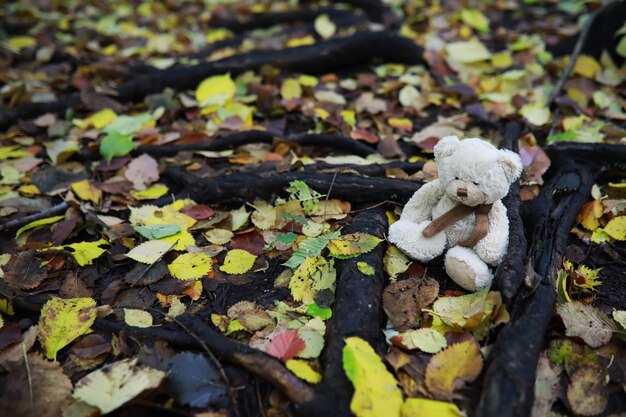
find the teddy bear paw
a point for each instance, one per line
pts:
(408, 237)
(466, 269)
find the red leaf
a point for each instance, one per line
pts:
(286, 345)
(252, 242)
(364, 135)
(199, 211)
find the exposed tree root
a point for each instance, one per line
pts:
(328, 55)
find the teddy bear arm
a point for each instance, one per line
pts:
(419, 208)
(492, 247)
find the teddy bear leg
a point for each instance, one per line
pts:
(408, 237)
(466, 269)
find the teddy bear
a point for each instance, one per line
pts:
(461, 210)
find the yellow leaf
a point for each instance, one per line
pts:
(86, 252)
(303, 370)
(238, 261)
(218, 34)
(290, 89)
(376, 392)
(216, 90)
(62, 321)
(137, 318)
(349, 117)
(325, 27)
(37, 223)
(86, 191)
(423, 407)
(113, 385)
(149, 252)
(218, 236)
(467, 52)
(466, 312)
(312, 275)
(395, 261)
(451, 368)
(536, 113)
(18, 43)
(616, 228)
(586, 66)
(400, 123)
(308, 80)
(102, 118)
(502, 60)
(476, 19)
(191, 266)
(264, 216)
(351, 245)
(29, 190)
(426, 340)
(155, 191)
(302, 41)
(590, 214)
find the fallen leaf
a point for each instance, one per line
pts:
(238, 261)
(616, 228)
(376, 392)
(467, 52)
(302, 369)
(452, 368)
(149, 252)
(587, 394)
(587, 322)
(351, 245)
(426, 340)
(193, 380)
(86, 252)
(115, 384)
(37, 223)
(312, 276)
(191, 266)
(116, 144)
(37, 388)
(536, 113)
(216, 90)
(620, 317)
(137, 318)
(404, 300)
(24, 271)
(286, 345)
(87, 191)
(476, 19)
(325, 27)
(547, 386)
(157, 231)
(142, 171)
(290, 89)
(423, 407)
(395, 261)
(62, 321)
(365, 268)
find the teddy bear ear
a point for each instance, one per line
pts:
(445, 147)
(511, 164)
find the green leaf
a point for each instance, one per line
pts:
(115, 144)
(310, 247)
(286, 239)
(376, 392)
(323, 313)
(365, 268)
(476, 19)
(157, 231)
(299, 190)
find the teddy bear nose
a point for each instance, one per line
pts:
(461, 192)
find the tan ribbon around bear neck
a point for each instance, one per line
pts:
(450, 217)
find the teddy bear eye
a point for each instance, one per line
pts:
(456, 178)
(475, 182)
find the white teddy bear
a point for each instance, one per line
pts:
(461, 210)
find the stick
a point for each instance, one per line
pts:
(21, 221)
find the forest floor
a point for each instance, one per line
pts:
(195, 197)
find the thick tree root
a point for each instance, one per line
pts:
(510, 375)
(328, 55)
(250, 186)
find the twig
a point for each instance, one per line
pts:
(582, 38)
(21, 221)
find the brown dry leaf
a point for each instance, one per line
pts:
(587, 322)
(587, 394)
(50, 388)
(24, 271)
(547, 386)
(142, 171)
(404, 300)
(16, 351)
(451, 368)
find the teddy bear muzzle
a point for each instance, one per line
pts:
(461, 192)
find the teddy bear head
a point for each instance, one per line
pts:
(475, 172)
